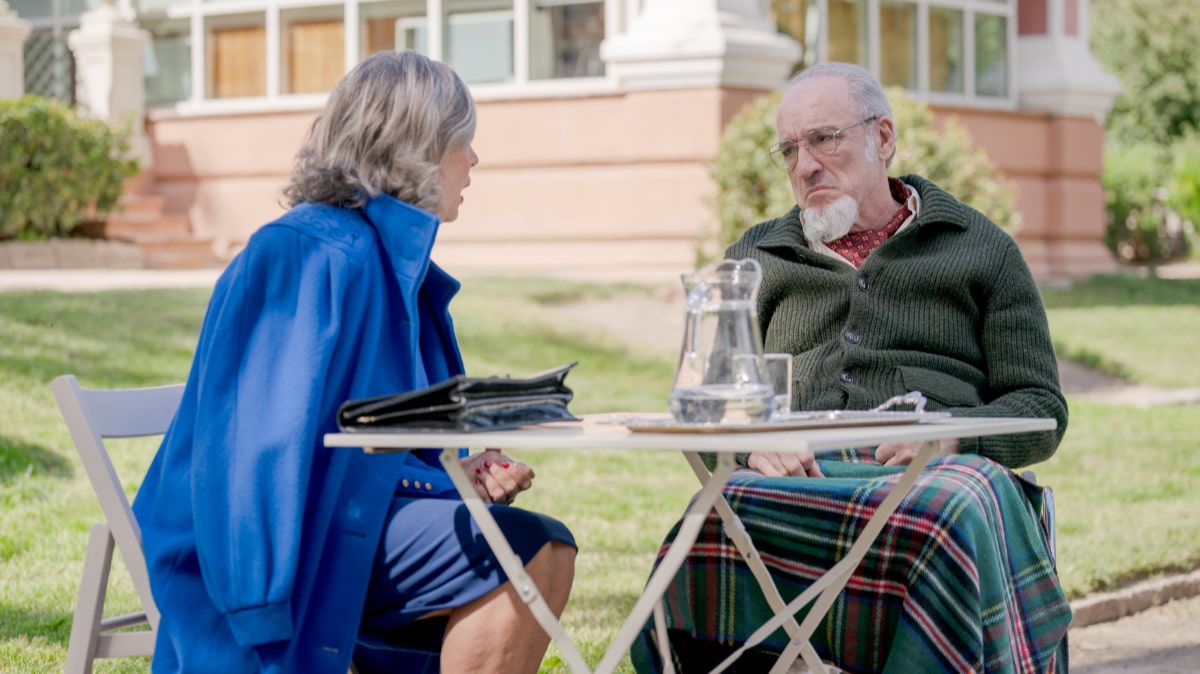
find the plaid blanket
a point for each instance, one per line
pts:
(961, 579)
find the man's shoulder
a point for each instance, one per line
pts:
(785, 226)
(938, 205)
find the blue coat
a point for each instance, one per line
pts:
(259, 539)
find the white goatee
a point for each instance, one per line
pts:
(831, 222)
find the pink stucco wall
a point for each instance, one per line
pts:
(610, 185)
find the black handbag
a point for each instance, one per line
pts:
(465, 404)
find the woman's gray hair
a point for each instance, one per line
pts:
(385, 129)
(864, 88)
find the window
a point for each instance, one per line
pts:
(237, 51)
(168, 62)
(847, 31)
(991, 55)
(945, 50)
(564, 39)
(313, 50)
(205, 50)
(954, 50)
(393, 25)
(479, 44)
(899, 62)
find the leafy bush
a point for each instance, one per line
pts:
(1150, 45)
(1142, 226)
(1184, 187)
(57, 169)
(751, 189)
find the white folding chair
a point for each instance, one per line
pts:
(91, 416)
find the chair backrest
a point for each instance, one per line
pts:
(91, 416)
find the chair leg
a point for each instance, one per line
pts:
(89, 608)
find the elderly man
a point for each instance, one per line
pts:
(879, 286)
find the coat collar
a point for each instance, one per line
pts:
(406, 233)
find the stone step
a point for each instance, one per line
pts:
(169, 251)
(131, 204)
(127, 226)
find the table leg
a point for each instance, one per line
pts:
(826, 588)
(689, 529)
(745, 547)
(524, 585)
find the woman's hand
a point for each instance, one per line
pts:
(497, 478)
(902, 453)
(784, 464)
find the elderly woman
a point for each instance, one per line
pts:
(268, 551)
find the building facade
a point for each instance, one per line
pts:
(598, 119)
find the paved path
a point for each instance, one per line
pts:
(1161, 640)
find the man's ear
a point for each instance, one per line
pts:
(886, 138)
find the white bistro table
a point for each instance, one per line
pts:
(600, 432)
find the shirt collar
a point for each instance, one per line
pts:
(914, 207)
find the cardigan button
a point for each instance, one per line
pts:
(862, 284)
(852, 337)
(846, 377)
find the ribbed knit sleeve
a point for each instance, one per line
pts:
(946, 307)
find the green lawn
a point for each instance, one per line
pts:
(1127, 480)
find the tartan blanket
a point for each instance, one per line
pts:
(961, 578)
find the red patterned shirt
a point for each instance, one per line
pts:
(856, 246)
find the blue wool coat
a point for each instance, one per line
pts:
(260, 540)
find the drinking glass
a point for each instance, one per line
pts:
(779, 369)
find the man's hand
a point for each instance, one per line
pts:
(497, 478)
(902, 453)
(783, 464)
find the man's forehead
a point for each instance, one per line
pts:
(819, 103)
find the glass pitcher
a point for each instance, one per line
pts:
(721, 376)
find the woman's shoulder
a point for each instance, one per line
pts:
(342, 227)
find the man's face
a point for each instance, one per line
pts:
(857, 168)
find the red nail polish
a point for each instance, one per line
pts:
(478, 471)
(505, 464)
(487, 464)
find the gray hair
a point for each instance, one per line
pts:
(864, 88)
(385, 129)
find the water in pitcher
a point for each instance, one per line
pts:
(721, 377)
(722, 404)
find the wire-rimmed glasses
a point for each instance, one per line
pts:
(818, 142)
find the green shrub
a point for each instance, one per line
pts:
(750, 189)
(1184, 188)
(57, 169)
(1142, 224)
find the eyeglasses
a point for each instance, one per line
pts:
(818, 142)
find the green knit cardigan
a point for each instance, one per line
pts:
(946, 307)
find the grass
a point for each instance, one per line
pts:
(1127, 480)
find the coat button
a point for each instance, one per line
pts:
(852, 337)
(404, 483)
(862, 284)
(846, 377)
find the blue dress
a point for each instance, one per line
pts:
(261, 543)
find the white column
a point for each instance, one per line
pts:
(109, 80)
(674, 44)
(13, 31)
(1057, 73)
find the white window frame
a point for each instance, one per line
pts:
(969, 8)
(198, 12)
